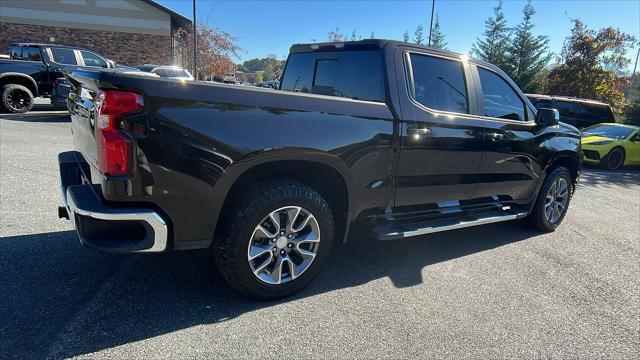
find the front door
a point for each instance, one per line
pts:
(509, 169)
(440, 143)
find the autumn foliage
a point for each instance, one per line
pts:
(215, 50)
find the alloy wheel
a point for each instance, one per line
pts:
(283, 245)
(18, 99)
(614, 160)
(556, 200)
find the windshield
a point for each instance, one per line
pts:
(609, 131)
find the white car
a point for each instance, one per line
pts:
(168, 72)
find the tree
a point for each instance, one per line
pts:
(632, 111)
(259, 78)
(418, 35)
(213, 52)
(588, 65)
(354, 36)
(493, 46)
(437, 37)
(405, 36)
(527, 54)
(335, 35)
(372, 36)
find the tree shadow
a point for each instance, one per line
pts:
(626, 177)
(61, 300)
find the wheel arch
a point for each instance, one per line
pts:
(324, 173)
(568, 160)
(20, 79)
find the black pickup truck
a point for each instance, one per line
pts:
(32, 69)
(402, 139)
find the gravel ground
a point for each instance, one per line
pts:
(495, 291)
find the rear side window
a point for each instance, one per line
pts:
(566, 108)
(500, 100)
(350, 74)
(64, 56)
(439, 83)
(597, 112)
(540, 104)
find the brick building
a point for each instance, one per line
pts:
(129, 32)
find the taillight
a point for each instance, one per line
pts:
(115, 152)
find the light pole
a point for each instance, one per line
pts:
(636, 65)
(195, 39)
(433, 6)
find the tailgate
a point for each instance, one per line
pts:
(83, 120)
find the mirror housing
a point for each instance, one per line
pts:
(547, 117)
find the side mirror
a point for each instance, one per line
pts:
(547, 117)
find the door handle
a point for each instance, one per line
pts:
(495, 137)
(418, 132)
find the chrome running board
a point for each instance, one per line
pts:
(395, 232)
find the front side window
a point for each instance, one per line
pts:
(64, 56)
(439, 83)
(91, 59)
(500, 100)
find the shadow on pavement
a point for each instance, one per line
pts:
(39, 113)
(60, 299)
(595, 176)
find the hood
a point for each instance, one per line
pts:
(569, 128)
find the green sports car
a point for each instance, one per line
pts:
(611, 145)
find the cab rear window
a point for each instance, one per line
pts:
(350, 74)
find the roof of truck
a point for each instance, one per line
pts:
(378, 44)
(566, 98)
(47, 45)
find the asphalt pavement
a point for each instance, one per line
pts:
(496, 291)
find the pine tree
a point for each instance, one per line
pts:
(528, 54)
(493, 47)
(419, 38)
(437, 37)
(354, 36)
(405, 36)
(372, 36)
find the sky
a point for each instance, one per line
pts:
(270, 27)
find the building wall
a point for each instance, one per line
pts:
(131, 16)
(123, 48)
(129, 32)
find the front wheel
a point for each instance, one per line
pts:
(16, 98)
(552, 201)
(276, 241)
(614, 159)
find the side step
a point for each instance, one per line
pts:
(405, 230)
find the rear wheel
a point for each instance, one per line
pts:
(553, 200)
(614, 159)
(16, 98)
(276, 241)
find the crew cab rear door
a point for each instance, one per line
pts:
(509, 169)
(440, 141)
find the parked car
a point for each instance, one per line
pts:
(269, 84)
(611, 145)
(32, 69)
(580, 113)
(169, 72)
(230, 79)
(60, 93)
(383, 133)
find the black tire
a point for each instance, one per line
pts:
(230, 250)
(537, 218)
(614, 159)
(16, 98)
